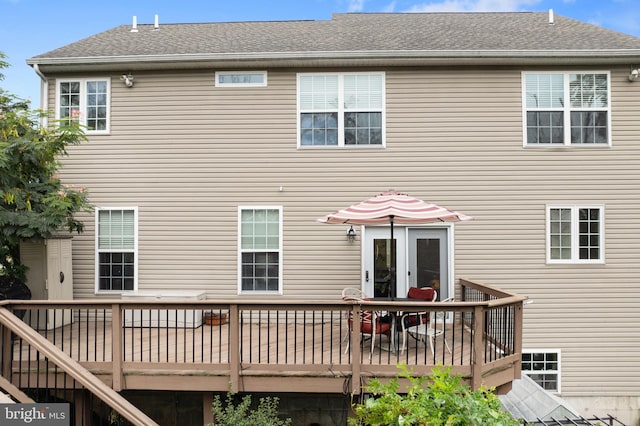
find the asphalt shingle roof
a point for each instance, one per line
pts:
(393, 32)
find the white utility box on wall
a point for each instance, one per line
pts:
(164, 317)
(49, 277)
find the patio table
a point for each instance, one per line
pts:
(395, 316)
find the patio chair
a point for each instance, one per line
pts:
(371, 322)
(430, 330)
(352, 293)
(371, 325)
(412, 319)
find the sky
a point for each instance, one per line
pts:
(32, 27)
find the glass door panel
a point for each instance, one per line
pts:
(383, 268)
(429, 260)
(377, 262)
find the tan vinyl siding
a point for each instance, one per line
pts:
(187, 154)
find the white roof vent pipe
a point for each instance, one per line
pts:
(134, 25)
(156, 23)
(551, 17)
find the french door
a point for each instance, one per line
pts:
(422, 259)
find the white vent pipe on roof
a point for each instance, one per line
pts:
(156, 23)
(551, 18)
(134, 26)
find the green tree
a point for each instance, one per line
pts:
(243, 414)
(34, 204)
(445, 401)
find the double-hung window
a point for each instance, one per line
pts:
(260, 243)
(575, 234)
(117, 249)
(85, 101)
(341, 109)
(570, 109)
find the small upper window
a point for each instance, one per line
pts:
(85, 101)
(575, 234)
(571, 109)
(241, 78)
(341, 109)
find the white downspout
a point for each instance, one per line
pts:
(44, 94)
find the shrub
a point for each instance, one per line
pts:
(445, 401)
(243, 414)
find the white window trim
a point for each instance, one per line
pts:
(341, 111)
(97, 289)
(558, 371)
(575, 234)
(240, 251)
(220, 84)
(83, 102)
(567, 110)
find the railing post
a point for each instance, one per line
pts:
(116, 347)
(517, 344)
(234, 348)
(7, 352)
(354, 346)
(478, 348)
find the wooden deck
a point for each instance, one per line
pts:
(279, 346)
(288, 344)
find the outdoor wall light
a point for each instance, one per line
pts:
(351, 234)
(633, 75)
(127, 79)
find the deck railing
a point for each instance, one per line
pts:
(275, 345)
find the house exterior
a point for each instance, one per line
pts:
(214, 148)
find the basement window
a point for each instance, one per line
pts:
(543, 367)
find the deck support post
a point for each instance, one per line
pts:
(82, 404)
(116, 348)
(478, 347)
(355, 349)
(517, 336)
(207, 408)
(234, 348)
(7, 352)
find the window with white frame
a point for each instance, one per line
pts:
(260, 234)
(543, 366)
(240, 78)
(85, 101)
(575, 234)
(117, 243)
(566, 109)
(341, 109)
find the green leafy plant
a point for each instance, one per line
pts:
(34, 203)
(445, 400)
(244, 414)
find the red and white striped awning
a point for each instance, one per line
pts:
(393, 207)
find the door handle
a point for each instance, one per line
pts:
(61, 277)
(366, 276)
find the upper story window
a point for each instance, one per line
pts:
(241, 78)
(260, 234)
(575, 234)
(571, 109)
(117, 249)
(85, 100)
(344, 109)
